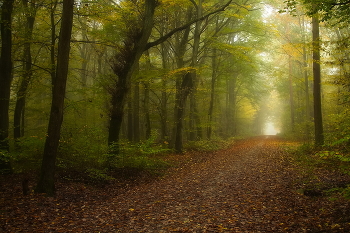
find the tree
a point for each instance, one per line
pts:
(319, 138)
(46, 182)
(18, 121)
(327, 9)
(127, 57)
(5, 70)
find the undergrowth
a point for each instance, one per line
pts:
(208, 145)
(333, 158)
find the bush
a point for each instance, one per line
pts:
(98, 176)
(28, 154)
(208, 145)
(5, 165)
(135, 159)
(83, 150)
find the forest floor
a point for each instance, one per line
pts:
(254, 186)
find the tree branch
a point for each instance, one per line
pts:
(340, 3)
(165, 37)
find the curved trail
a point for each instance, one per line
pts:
(246, 188)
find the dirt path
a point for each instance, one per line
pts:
(247, 188)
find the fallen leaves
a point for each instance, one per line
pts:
(247, 188)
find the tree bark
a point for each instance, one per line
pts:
(212, 93)
(129, 55)
(130, 131)
(183, 86)
(291, 94)
(136, 112)
(164, 97)
(195, 122)
(126, 60)
(146, 100)
(146, 110)
(5, 71)
(46, 182)
(319, 138)
(18, 117)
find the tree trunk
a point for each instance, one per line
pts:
(5, 71)
(212, 93)
(136, 112)
(291, 94)
(146, 110)
(164, 97)
(231, 120)
(195, 124)
(319, 138)
(18, 118)
(146, 100)
(134, 45)
(130, 131)
(185, 90)
(181, 92)
(46, 182)
(125, 62)
(53, 40)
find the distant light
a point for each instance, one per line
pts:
(270, 129)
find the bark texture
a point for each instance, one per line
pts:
(46, 182)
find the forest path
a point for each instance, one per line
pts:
(246, 188)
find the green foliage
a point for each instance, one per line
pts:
(338, 128)
(344, 192)
(328, 10)
(98, 175)
(135, 165)
(28, 153)
(5, 159)
(330, 158)
(208, 145)
(83, 150)
(135, 159)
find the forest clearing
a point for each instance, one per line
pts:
(252, 186)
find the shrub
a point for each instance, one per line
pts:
(28, 153)
(208, 145)
(135, 159)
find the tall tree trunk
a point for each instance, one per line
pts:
(183, 85)
(308, 113)
(130, 131)
(18, 118)
(135, 45)
(146, 110)
(146, 100)
(306, 77)
(136, 112)
(53, 40)
(291, 94)
(212, 93)
(231, 120)
(319, 138)
(195, 124)
(164, 96)
(46, 182)
(185, 90)
(129, 55)
(5, 71)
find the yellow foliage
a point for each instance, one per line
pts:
(180, 71)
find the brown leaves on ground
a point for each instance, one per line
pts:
(250, 187)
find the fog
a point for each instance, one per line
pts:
(270, 129)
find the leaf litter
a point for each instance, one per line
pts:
(249, 187)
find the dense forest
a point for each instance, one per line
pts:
(96, 86)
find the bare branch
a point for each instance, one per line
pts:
(183, 27)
